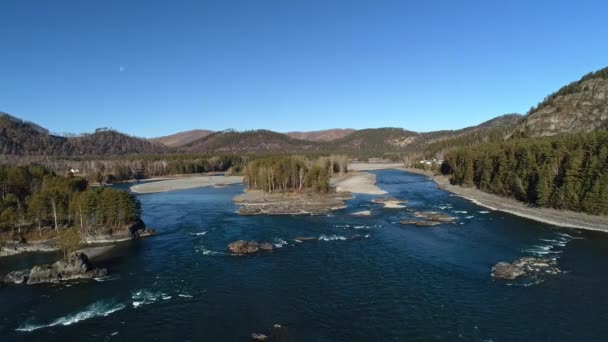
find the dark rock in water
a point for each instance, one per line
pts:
(505, 270)
(16, 277)
(77, 266)
(143, 232)
(434, 216)
(249, 247)
(525, 267)
(419, 223)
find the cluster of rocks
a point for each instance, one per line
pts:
(242, 247)
(525, 267)
(278, 333)
(255, 202)
(134, 230)
(428, 219)
(390, 202)
(77, 266)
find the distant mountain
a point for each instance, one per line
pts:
(581, 106)
(18, 137)
(323, 135)
(258, 141)
(182, 138)
(388, 139)
(106, 142)
(21, 138)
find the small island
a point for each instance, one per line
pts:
(292, 185)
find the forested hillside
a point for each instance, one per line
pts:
(564, 172)
(21, 138)
(258, 141)
(182, 138)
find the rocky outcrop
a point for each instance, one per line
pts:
(16, 277)
(242, 247)
(579, 107)
(127, 232)
(434, 216)
(428, 219)
(255, 202)
(77, 266)
(420, 223)
(525, 267)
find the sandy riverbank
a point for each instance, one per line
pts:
(560, 218)
(185, 183)
(357, 183)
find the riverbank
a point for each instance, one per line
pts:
(560, 218)
(185, 183)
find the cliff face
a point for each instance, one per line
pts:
(579, 107)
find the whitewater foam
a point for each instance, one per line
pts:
(278, 243)
(144, 297)
(97, 309)
(332, 237)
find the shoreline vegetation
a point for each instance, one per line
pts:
(560, 218)
(43, 211)
(556, 217)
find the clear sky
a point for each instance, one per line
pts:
(153, 68)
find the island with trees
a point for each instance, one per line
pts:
(40, 210)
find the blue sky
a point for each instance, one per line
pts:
(152, 68)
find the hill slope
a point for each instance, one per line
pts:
(18, 137)
(323, 135)
(182, 138)
(579, 107)
(248, 142)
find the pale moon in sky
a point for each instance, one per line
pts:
(121, 68)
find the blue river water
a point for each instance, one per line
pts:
(397, 283)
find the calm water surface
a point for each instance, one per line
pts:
(397, 283)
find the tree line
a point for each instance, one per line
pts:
(563, 172)
(32, 197)
(293, 173)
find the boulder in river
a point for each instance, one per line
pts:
(419, 223)
(77, 266)
(434, 216)
(241, 247)
(525, 267)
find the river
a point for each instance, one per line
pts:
(396, 283)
